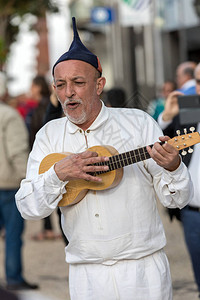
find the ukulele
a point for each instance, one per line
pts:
(77, 189)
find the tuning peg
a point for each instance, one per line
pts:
(192, 129)
(190, 150)
(185, 130)
(184, 152)
(178, 132)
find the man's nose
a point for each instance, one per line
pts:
(69, 90)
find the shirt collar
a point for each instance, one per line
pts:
(188, 84)
(101, 118)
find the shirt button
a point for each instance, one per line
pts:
(80, 130)
(96, 215)
(88, 131)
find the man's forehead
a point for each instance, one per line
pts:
(74, 68)
(73, 64)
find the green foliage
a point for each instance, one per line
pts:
(21, 7)
(3, 51)
(13, 8)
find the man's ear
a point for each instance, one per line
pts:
(100, 85)
(53, 87)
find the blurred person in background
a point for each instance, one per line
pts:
(190, 215)
(184, 82)
(157, 106)
(13, 159)
(169, 118)
(54, 111)
(23, 104)
(40, 93)
(185, 77)
(115, 97)
(35, 119)
(116, 237)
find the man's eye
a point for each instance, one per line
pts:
(79, 82)
(60, 85)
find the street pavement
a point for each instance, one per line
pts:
(44, 263)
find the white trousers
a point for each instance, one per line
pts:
(147, 278)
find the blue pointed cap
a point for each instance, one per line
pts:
(78, 51)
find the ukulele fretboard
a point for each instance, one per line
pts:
(124, 159)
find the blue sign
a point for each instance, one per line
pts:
(102, 15)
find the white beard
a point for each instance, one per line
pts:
(76, 120)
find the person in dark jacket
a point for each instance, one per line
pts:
(40, 92)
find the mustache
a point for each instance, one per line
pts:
(70, 101)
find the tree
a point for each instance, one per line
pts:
(12, 9)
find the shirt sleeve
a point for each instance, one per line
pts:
(173, 189)
(163, 124)
(39, 194)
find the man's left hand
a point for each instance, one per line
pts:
(165, 155)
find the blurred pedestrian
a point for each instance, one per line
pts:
(13, 160)
(156, 106)
(185, 77)
(24, 104)
(40, 92)
(184, 82)
(190, 215)
(115, 97)
(54, 111)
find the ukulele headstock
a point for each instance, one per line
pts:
(185, 140)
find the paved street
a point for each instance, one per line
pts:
(44, 263)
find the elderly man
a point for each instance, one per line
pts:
(115, 234)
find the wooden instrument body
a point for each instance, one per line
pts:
(77, 189)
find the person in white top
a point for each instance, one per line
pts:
(190, 215)
(115, 235)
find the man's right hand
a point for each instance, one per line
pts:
(80, 166)
(171, 106)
